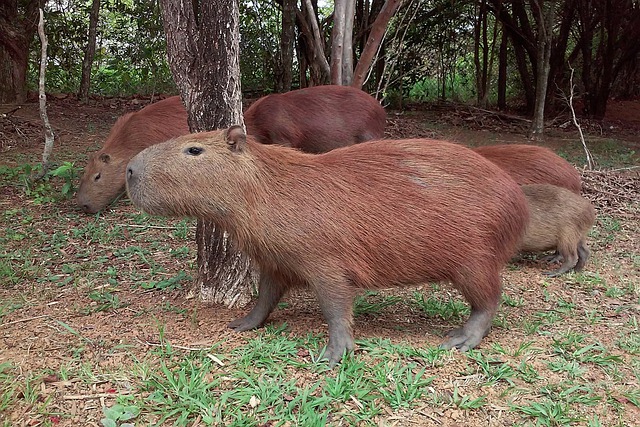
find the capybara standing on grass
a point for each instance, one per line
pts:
(372, 215)
(531, 164)
(103, 178)
(559, 220)
(315, 120)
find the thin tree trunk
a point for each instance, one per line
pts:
(89, 53)
(347, 50)
(544, 12)
(203, 44)
(286, 42)
(319, 57)
(337, 41)
(373, 41)
(48, 132)
(502, 71)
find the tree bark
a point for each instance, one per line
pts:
(203, 44)
(502, 71)
(319, 60)
(544, 12)
(18, 23)
(347, 49)
(373, 42)
(48, 131)
(337, 41)
(90, 51)
(286, 42)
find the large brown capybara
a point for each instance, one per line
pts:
(103, 179)
(371, 215)
(315, 120)
(559, 220)
(531, 164)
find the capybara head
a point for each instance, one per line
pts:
(559, 220)
(371, 215)
(316, 119)
(189, 159)
(103, 178)
(531, 164)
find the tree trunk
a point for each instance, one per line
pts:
(18, 23)
(502, 71)
(286, 42)
(544, 13)
(203, 44)
(373, 42)
(337, 41)
(89, 52)
(347, 49)
(317, 60)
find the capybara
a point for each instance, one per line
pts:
(371, 215)
(103, 178)
(315, 120)
(559, 220)
(531, 164)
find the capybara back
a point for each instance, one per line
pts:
(559, 220)
(531, 164)
(372, 215)
(316, 119)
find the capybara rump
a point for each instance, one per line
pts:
(372, 215)
(531, 164)
(559, 220)
(316, 119)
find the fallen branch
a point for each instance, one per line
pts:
(48, 132)
(93, 396)
(28, 319)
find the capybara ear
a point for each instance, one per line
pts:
(236, 138)
(105, 158)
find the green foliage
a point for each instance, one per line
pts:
(43, 189)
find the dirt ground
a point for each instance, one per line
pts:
(43, 321)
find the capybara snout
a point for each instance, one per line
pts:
(371, 215)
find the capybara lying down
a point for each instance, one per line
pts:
(103, 179)
(531, 164)
(372, 215)
(558, 220)
(315, 119)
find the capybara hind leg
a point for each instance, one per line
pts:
(553, 258)
(569, 253)
(470, 335)
(337, 309)
(583, 255)
(269, 294)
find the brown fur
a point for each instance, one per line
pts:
(559, 220)
(315, 120)
(371, 215)
(531, 164)
(103, 178)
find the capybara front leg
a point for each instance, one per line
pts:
(470, 335)
(269, 294)
(583, 255)
(337, 309)
(553, 258)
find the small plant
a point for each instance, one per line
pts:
(117, 413)
(466, 402)
(452, 309)
(169, 284)
(371, 305)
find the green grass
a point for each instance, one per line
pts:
(562, 351)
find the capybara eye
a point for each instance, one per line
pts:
(195, 151)
(97, 177)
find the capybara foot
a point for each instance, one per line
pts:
(337, 348)
(462, 340)
(245, 323)
(553, 258)
(470, 335)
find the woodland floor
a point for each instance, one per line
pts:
(87, 303)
